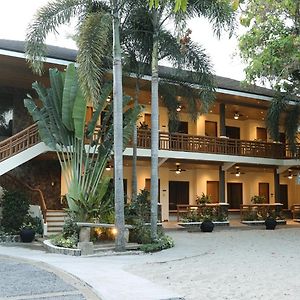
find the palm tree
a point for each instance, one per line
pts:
(92, 32)
(145, 33)
(221, 15)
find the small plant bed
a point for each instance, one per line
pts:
(195, 215)
(194, 225)
(262, 222)
(256, 214)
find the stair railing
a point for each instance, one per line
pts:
(19, 142)
(42, 201)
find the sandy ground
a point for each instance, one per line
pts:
(228, 264)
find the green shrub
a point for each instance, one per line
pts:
(140, 234)
(15, 206)
(163, 242)
(139, 210)
(70, 228)
(66, 242)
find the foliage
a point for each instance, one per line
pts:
(61, 122)
(257, 199)
(203, 199)
(206, 213)
(163, 242)
(70, 228)
(261, 214)
(270, 49)
(92, 33)
(66, 242)
(15, 207)
(139, 210)
(69, 236)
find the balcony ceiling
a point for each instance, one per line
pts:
(15, 73)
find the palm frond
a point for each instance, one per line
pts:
(220, 13)
(93, 47)
(277, 106)
(47, 20)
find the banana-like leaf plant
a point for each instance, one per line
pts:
(82, 149)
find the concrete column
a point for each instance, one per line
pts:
(276, 186)
(222, 120)
(221, 185)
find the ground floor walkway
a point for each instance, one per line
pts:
(230, 263)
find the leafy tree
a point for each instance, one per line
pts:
(94, 18)
(270, 48)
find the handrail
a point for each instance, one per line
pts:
(19, 142)
(217, 145)
(41, 195)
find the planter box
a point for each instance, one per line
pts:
(262, 222)
(195, 226)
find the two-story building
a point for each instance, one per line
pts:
(226, 153)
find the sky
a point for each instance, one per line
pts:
(15, 15)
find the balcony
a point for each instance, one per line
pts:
(215, 145)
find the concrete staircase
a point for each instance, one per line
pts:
(20, 148)
(55, 221)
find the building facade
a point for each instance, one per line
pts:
(226, 153)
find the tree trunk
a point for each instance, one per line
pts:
(118, 131)
(154, 129)
(134, 145)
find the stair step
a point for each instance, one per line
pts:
(55, 222)
(56, 214)
(53, 219)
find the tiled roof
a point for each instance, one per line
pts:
(70, 55)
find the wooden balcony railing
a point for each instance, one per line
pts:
(215, 145)
(168, 141)
(19, 142)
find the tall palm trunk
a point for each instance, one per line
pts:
(118, 131)
(134, 144)
(154, 128)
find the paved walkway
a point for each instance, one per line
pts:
(104, 274)
(163, 275)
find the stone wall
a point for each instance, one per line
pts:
(21, 117)
(42, 174)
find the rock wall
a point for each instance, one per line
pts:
(42, 174)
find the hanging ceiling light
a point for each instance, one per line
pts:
(290, 176)
(237, 173)
(178, 170)
(179, 107)
(236, 116)
(108, 167)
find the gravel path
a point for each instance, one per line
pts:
(29, 280)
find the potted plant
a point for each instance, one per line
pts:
(207, 225)
(270, 223)
(27, 232)
(257, 199)
(203, 199)
(29, 228)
